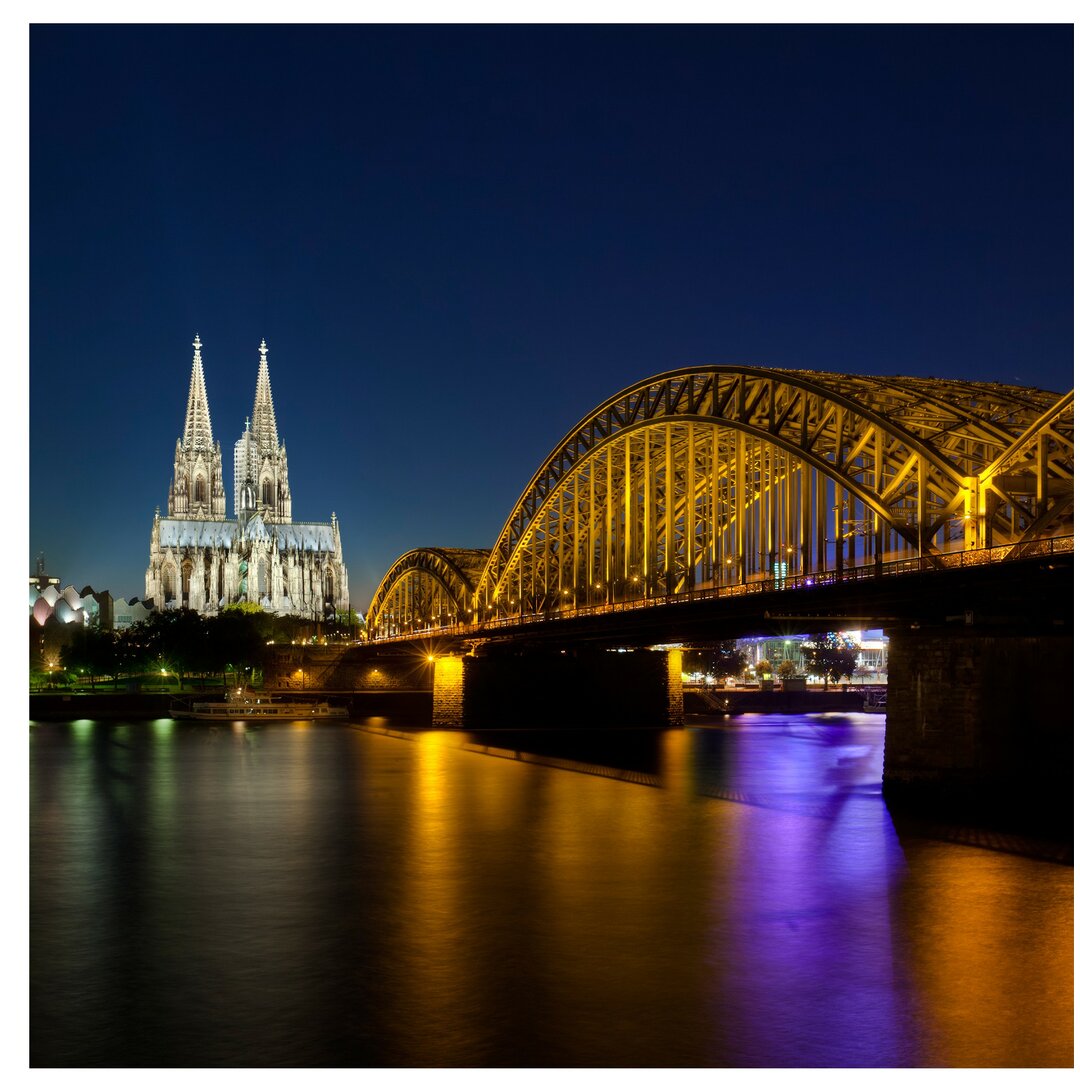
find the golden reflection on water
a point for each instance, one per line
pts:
(579, 923)
(620, 955)
(309, 894)
(991, 943)
(432, 920)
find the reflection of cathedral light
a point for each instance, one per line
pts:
(201, 560)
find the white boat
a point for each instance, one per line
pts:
(255, 705)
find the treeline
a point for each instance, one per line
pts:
(182, 644)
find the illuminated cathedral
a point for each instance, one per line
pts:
(202, 560)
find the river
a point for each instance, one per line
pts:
(336, 895)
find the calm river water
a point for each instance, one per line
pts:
(327, 895)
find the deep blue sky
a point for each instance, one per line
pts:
(458, 240)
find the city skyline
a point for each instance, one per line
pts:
(457, 241)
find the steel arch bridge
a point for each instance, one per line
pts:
(714, 477)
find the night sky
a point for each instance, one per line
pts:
(457, 241)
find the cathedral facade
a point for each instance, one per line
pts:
(202, 560)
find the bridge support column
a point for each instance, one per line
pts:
(572, 688)
(980, 721)
(674, 687)
(447, 705)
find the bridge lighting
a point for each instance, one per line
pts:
(912, 481)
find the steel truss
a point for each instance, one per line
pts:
(715, 476)
(425, 588)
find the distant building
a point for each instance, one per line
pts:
(39, 580)
(51, 605)
(872, 659)
(202, 560)
(124, 614)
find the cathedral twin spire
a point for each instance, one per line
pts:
(264, 424)
(198, 435)
(197, 490)
(259, 460)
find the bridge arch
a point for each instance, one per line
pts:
(426, 587)
(712, 476)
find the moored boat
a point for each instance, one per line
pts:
(255, 705)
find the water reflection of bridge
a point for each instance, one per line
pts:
(722, 482)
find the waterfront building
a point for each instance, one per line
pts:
(872, 659)
(202, 560)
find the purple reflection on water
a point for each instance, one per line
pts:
(802, 947)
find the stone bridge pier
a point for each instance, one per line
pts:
(980, 718)
(559, 688)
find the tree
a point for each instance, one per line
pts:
(832, 656)
(248, 607)
(720, 659)
(92, 651)
(762, 668)
(236, 639)
(787, 669)
(345, 624)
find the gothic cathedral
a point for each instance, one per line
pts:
(202, 560)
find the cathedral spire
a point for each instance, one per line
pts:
(264, 423)
(197, 490)
(260, 457)
(198, 435)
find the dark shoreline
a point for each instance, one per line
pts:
(409, 705)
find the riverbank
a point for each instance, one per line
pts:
(408, 705)
(787, 702)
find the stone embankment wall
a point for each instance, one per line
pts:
(336, 667)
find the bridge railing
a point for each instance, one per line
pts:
(954, 560)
